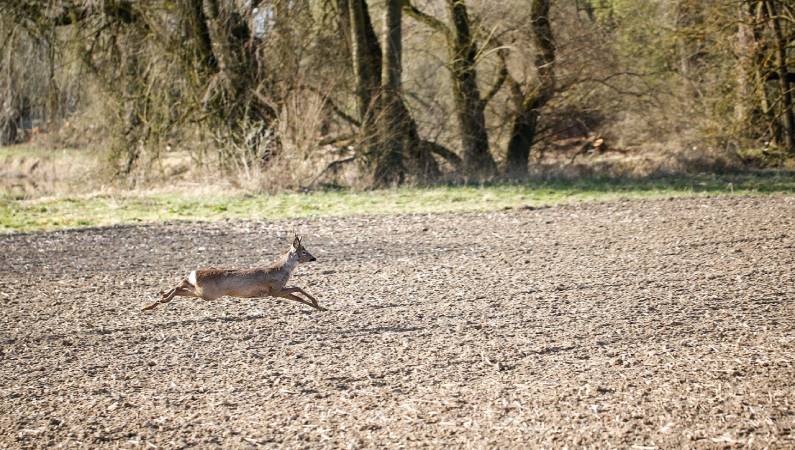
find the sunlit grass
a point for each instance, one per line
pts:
(33, 151)
(187, 204)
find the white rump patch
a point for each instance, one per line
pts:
(192, 278)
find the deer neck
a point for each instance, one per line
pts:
(289, 261)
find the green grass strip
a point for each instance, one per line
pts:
(131, 207)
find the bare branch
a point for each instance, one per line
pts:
(336, 139)
(445, 153)
(427, 19)
(502, 76)
(333, 166)
(328, 102)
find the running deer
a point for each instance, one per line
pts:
(270, 281)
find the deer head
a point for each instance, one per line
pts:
(303, 255)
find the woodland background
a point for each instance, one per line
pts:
(304, 94)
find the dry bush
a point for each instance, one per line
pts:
(45, 173)
(299, 160)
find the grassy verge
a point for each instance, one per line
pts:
(132, 207)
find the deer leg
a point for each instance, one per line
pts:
(184, 289)
(298, 289)
(289, 296)
(170, 294)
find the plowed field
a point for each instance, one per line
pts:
(665, 323)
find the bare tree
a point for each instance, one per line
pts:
(9, 105)
(389, 134)
(530, 98)
(394, 115)
(462, 50)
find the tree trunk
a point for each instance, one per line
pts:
(389, 168)
(745, 67)
(9, 118)
(197, 25)
(532, 98)
(689, 16)
(344, 23)
(788, 118)
(391, 144)
(53, 111)
(9, 100)
(469, 105)
(216, 31)
(523, 132)
(756, 9)
(366, 58)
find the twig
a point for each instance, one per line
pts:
(333, 106)
(335, 139)
(332, 166)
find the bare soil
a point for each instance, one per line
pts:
(667, 323)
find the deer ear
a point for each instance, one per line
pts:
(296, 241)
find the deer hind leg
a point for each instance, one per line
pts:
(289, 296)
(185, 289)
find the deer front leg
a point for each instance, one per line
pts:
(286, 294)
(298, 289)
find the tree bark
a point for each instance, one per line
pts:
(469, 105)
(366, 58)
(388, 164)
(530, 99)
(788, 118)
(344, 23)
(756, 10)
(745, 66)
(9, 98)
(197, 24)
(9, 114)
(523, 131)
(219, 39)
